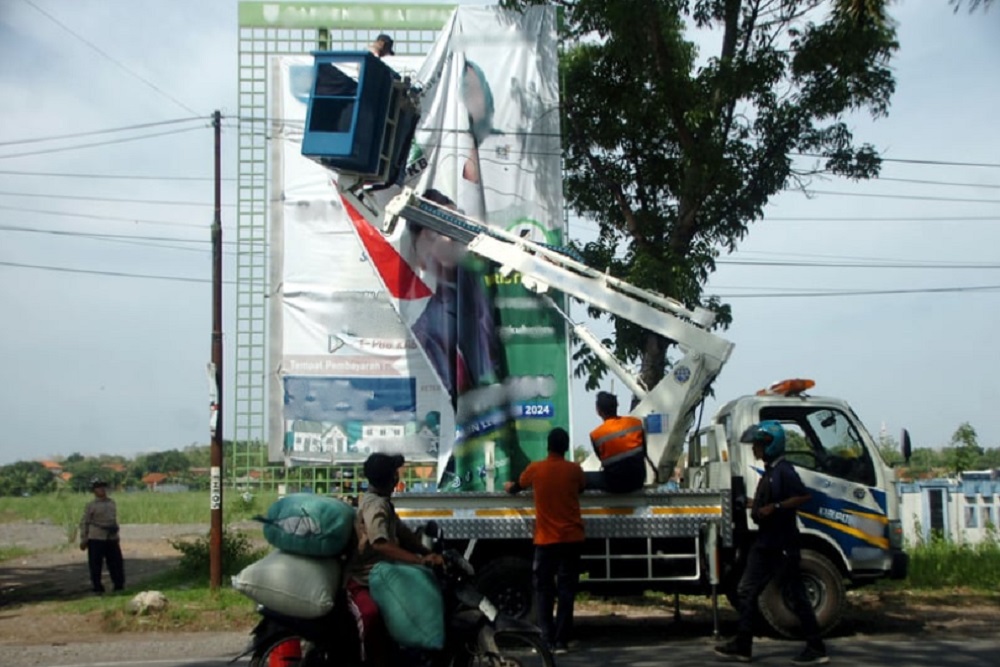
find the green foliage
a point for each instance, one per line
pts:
(940, 563)
(965, 451)
(972, 4)
(675, 152)
(238, 551)
(64, 508)
(25, 478)
(888, 448)
(8, 553)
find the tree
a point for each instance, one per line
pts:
(674, 155)
(888, 448)
(973, 4)
(965, 452)
(25, 477)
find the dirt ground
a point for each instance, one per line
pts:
(56, 570)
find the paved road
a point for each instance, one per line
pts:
(856, 652)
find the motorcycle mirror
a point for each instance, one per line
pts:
(904, 443)
(432, 529)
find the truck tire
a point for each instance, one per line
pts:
(507, 583)
(824, 588)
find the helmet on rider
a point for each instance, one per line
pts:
(96, 482)
(770, 434)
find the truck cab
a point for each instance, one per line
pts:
(851, 528)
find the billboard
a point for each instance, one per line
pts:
(460, 362)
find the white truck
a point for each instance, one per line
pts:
(689, 539)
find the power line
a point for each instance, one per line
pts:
(926, 182)
(116, 274)
(912, 197)
(923, 290)
(101, 235)
(929, 290)
(77, 135)
(112, 59)
(942, 163)
(106, 217)
(130, 177)
(909, 218)
(160, 202)
(855, 265)
(101, 143)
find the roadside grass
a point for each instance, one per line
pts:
(941, 573)
(942, 564)
(7, 553)
(64, 508)
(192, 606)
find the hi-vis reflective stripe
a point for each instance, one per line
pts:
(424, 514)
(679, 511)
(874, 540)
(617, 434)
(495, 513)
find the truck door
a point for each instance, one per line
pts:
(848, 506)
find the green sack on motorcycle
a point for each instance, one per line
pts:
(309, 525)
(410, 601)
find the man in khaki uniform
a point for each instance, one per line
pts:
(99, 537)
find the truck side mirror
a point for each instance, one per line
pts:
(904, 443)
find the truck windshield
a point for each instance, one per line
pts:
(825, 440)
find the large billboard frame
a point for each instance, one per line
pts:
(267, 29)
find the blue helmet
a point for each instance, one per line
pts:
(769, 433)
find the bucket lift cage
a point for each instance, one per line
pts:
(361, 117)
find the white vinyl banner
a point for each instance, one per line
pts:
(406, 344)
(350, 378)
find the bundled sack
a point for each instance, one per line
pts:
(410, 602)
(292, 585)
(309, 525)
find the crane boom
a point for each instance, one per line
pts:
(668, 407)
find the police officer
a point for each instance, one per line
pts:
(99, 537)
(775, 553)
(620, 443)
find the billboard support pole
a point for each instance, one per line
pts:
(215, 489)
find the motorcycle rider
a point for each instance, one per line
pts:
(381, 536)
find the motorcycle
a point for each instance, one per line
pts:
(477, 635)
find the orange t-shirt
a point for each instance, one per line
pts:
(616, 436)
(557, 484)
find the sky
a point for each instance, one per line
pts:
(105, 255)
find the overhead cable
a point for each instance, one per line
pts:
(77, 135)
(113, 59)
(101, 143)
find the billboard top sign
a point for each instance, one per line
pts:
(343, 15)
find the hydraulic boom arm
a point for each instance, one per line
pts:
(667, 408)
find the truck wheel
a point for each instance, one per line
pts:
(824, 588)
(507, 583)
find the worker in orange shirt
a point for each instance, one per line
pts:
(620, 444)
(559, 536)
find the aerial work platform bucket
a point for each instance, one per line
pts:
(361, 118)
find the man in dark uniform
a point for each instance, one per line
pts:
(100, 539)
(775, 553)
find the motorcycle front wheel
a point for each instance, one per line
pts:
(513, 649)
(283, 650)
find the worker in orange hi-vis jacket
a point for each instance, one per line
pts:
(620, 444)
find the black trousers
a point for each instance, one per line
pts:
(619, 476)
(99, 552)
(764, 564)
(556, 573)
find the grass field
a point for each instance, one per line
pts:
(65, 508)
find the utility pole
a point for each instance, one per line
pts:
(215, 492)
